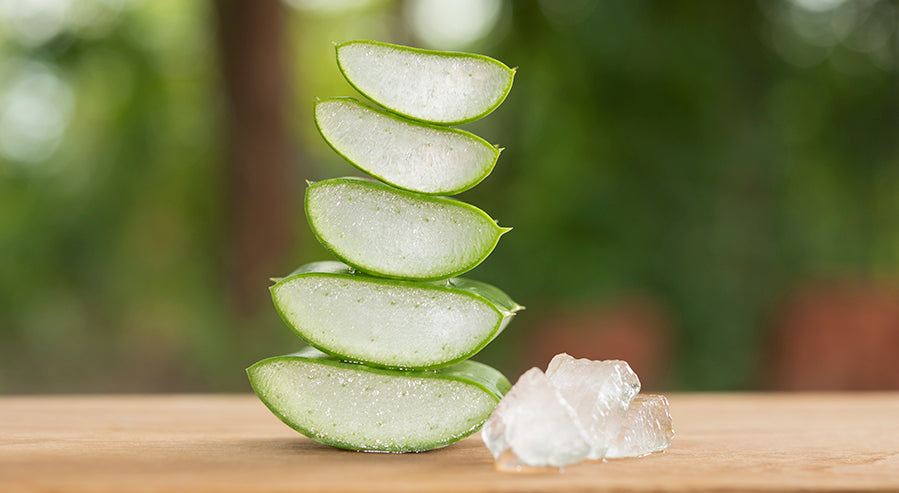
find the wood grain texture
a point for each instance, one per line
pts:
(724, 442)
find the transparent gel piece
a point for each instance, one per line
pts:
(600, 393)
(647, 428)
(534, 427)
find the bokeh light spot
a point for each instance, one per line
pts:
(818, 5)
(452, 24)
(35, 109)
(328, 6)
(34, 22)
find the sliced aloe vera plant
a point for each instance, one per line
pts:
(438, 87)
(391, 323)
(357, 407)
(389, 232)
(410, 155)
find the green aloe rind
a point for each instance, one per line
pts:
(391, 323)
(410, 155)
(388, 232)
(432, 86)
(356, 407)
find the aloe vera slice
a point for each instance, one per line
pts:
(414, 156)
(389, 232)
(391, 323)
(433, 86)
(357, 407)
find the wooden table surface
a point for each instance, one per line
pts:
(173, 443)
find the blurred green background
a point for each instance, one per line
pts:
(707, 189)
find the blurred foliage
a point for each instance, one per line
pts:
(667, 148)
(710, 154)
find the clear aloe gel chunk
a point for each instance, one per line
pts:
(357, 407)
(647, 428)
(391, 323)
(534, 426)
(432, 86)
(393, 233)
(413, 156)
(600, 392)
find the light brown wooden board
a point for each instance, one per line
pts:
(724, 442)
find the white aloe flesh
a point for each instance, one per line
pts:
(388, 232)
(438, 87)
(357, 407)
(391, 323)
(409, 155)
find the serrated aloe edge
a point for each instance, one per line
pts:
(391, 323)
(356, 407)
(410, 155)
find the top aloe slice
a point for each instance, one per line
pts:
(432, 86)
(388, 232)
(358, 407)
(410, 155)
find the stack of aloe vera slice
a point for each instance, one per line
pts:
(391, 327)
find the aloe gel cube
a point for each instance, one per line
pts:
(600, 392)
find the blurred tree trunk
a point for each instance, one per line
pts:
(251, 40)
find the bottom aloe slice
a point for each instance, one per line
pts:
(391, 323)
(356, 407)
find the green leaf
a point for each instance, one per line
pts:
(410, 155)
(357, 407)
(394, 233)
(432, 86)
(391, 323)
